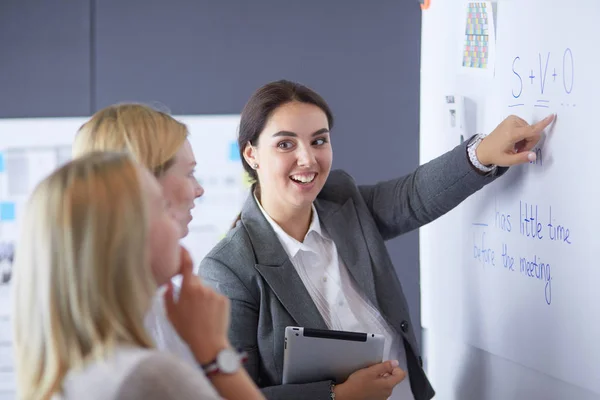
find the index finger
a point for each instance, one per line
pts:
(186, 264)
(543, 124)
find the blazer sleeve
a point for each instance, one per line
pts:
(244, 309)
(243, 331)
(401, 205)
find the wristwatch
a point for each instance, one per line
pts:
(472, 155)
(228, 361)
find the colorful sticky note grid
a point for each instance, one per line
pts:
(7, 211)
(476, 46)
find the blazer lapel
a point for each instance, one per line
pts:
(343, 226)
(291, 292)
(277, 269)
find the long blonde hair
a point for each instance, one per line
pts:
(151, 136)
(82, 281)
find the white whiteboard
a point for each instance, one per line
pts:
(512, 271)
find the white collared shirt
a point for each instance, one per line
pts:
(335, 293)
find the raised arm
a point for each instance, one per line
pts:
(433, 189)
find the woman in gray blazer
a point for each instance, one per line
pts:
(309, 247)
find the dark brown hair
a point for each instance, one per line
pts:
(261, 105)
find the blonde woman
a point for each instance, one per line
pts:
(96, 234)
(159, 142)
(154, 139)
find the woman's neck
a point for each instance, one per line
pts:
(294, 221)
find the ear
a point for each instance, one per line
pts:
(250, 154)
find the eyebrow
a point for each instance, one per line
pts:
(292, 134)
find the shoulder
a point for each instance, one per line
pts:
(233, 251)
(160, 375)
(229, 266)
(158, 363)
(339, 187)
(237, 240)
(107, 374)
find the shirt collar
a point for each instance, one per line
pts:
(291, 245)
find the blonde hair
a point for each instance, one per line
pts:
(151, 136)
(82, 281)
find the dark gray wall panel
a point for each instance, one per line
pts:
(44, 58)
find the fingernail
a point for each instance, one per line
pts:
(394, 363)
(531, 156)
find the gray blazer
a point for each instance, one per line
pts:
(251, 267)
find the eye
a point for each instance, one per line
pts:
(320, 141)
(285, 145)
(192, 173)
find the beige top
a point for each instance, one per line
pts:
(134, 373)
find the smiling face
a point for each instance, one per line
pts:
(294, 157)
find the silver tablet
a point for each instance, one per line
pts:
(313, 355)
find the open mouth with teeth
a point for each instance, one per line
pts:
(303, 179)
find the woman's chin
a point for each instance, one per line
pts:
(302, 202)
(184, 230)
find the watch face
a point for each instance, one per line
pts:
(229, 361)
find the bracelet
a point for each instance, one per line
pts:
(472, 152)
(331, 392)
